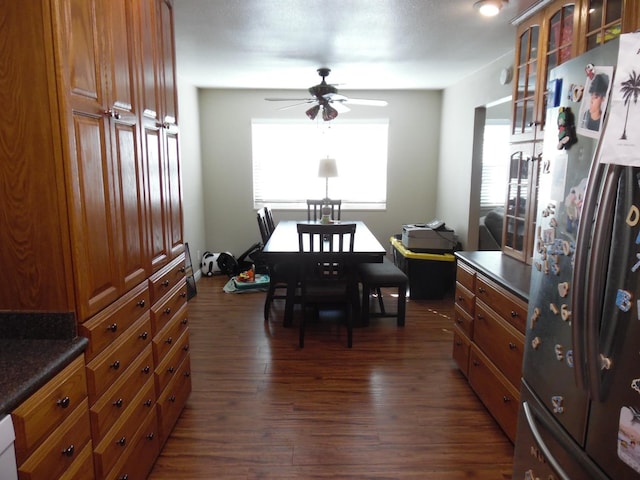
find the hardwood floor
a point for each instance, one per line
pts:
(392, 407)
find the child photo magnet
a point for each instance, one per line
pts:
(594, 100)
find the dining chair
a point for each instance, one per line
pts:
(374, 277)
(314, 209)
(326, 279)
(281, 275)
(268, 213)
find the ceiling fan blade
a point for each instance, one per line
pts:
(340, 107)
(275, 99)
(307, 102)
(363, 101)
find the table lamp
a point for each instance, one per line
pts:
(327, 168)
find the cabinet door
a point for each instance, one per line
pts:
(604, 20)
(169, 95)
(174, 193)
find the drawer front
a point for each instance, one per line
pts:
(163, 312)
(461, 346)
(465, 299)
(106, 327)
(504, 303)
(495, 392)
(463, 321)
(165, 279)
(466, 276)
(70, 437)
(165, 339)
(82, 467)
(118, 400)
(171, 401)
(502, 343)
(46, 409)
(169, 366)
(144, 451)
(107, 367)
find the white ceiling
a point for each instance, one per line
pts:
(368, 44)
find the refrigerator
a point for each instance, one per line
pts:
(579, 415)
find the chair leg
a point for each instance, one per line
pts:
(402, 304)
(349, 327)
(267, 302)
(364, 307)
(380, 301)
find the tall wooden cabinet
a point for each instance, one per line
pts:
(91, 206)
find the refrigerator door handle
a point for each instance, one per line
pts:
(540, 441)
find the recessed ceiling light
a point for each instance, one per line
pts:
(488, 8)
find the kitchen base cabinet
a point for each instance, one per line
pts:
(488, 333)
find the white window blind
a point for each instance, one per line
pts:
(286, 154)
(495, 164)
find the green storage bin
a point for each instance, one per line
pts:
(431, 275)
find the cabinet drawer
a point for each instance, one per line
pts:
(144, 450)
(465, 299)
(171, 401)
(461, 346)
(165, 339)
(163, 312)
(168, 367)
(167, 278)
(107, 367)
(504, 303)
(118, 443)
(104, 328)
(70, 437)
(466, 276)
(118, 400)
(82, 467)
(463, 321)
(41, 413)
(502, 343)
(495, 392)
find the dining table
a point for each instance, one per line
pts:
(283, 247)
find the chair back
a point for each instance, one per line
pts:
(271, 225)
(263, 226)
(314, 238)
(314, 209)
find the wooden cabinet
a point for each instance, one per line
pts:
(91, 209)
(488, 341)
(55, 419)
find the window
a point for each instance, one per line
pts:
(495, 163)
(286, 154)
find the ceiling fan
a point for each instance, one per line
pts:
(325, 97)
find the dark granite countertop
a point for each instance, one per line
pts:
(34, 347)
(513, 275)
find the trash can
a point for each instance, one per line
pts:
(431, 275)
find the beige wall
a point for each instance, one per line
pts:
(225, 131)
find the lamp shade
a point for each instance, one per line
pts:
(327, 168)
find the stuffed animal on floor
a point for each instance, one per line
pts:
(566, 128)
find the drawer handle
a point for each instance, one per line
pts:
(167, 310)
(68, 452)
(481, 290)
(172, 398)
(182, 269)
(512, 346)
(185, 321)
(64, 402)
(148, 403)
(115, 365)
(183, 294)
(141, 303)
(514, 313)
(146, 369)
(143, 335)
(187, 374)
(170, 369)
(165, 283)
(185, 348)
(118, 403)
(113, 328)
(122, 442)
(150, 436)
(506, 399)
(169, 340)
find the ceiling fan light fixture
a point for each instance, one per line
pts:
(328, 112)
(488, 8)
(313, 112)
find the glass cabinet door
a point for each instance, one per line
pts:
(525, 82)
(604, 21)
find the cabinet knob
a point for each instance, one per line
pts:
(115, 365)
(167, 310)
(169, 340)
(172, 398)
(113, 327)
(185, 348)
(118, 403)
(481, 290)
(64, 402)
(184, 321)
(183, 269)
(506, 399)
(150, 436)
(141, 303)
(187, 374)
(112, 113)
(68, 452)
(476, 363)
(512, 346)
(480, 317)
(123, 477)
(148, 403)
(122, 441)
(146, 370)
(165, 283)
(514, 313)
(143, 336)
(170, 370)
(183, 294)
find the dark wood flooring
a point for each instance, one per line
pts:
(392, 407)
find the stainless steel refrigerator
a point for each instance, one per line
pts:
(580, 399)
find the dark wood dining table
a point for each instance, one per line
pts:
(282, 247)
